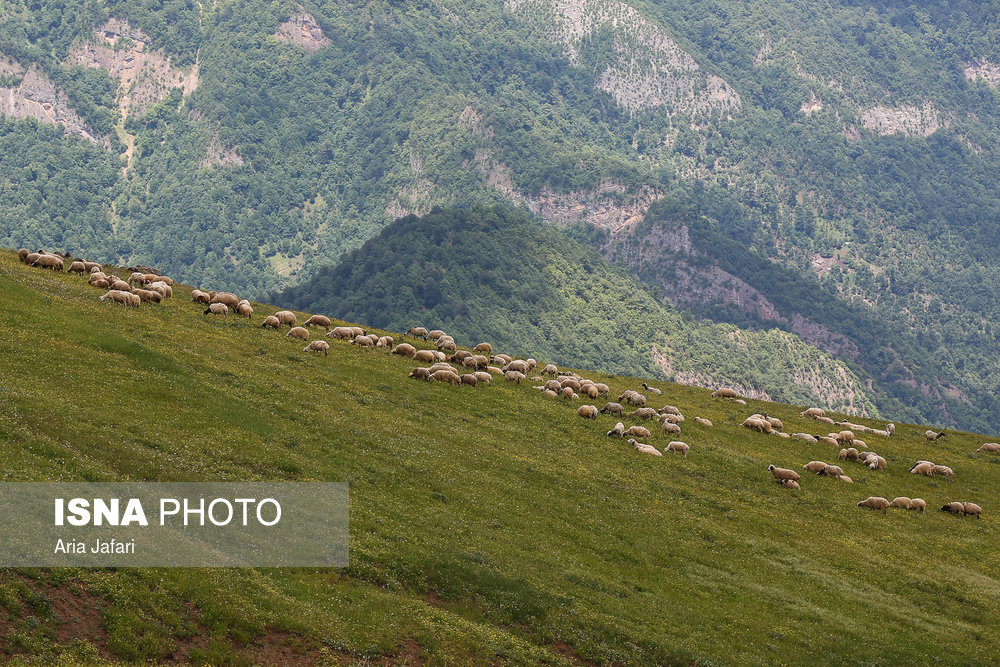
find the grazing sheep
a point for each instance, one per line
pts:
(342, 333)
(825, 420)
(514, 376)
(568, 393)
(197, 296)
(469, 379)
(48, 262)
(783, 473)
(518, 365)
(875, 503)
(638, 432)
(230, 299)
(652, 390)
(644, 413)
(440, 367)
(813, 412)
(591, 391)
(844, 478)
(805, 436)
(23, 253)
(76, 267)
(447, 376)
(449, 346)
(550, 369)
(149, 296)
(703, 421)
(31, 257)
(421, 373)
(246, 310)
(634, 398)
(602, 389)
(859, 444)
(122, 285)
(503, 358)
(954, 508)
(618, 430)
(890, 429)
(91, 266)
(788, 484)
(972, 509)
(615, 408)
(918, 504)
(424, 355)
(436, 334)
(815, 466)
(284, 316)
(923, 468)
(483, 376)
(483, 347)
(680, 447)
(385, 341)
(944, 470)
(167, 291)
(405, 350)
(362, 341)
(116, 296)
(756, 425)
(317, 346)
(671, 428)
(879, 432)
(827, 440)
(137, 278)
(532, 364)
(357, 331)
(673, 419)
(417, 332)
(493, 370)
(101, 283)
(97, 275)
(992, 447)
(271, 321)
(298, 332)
(318, 321)
(644, 448)
(572, 383)
(849, 454)
(843, 437)
(459, 356)
(725, 393)
(934, 437)
(902, 502)
(875, 462)
(669, 410)
(215, 309)
(776, 424)
(587, 411)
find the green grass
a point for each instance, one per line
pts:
(487, 524)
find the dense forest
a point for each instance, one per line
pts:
(861, 138)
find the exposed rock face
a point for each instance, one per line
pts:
(36, 96)
(983, 69)
(218, 155)
(647, 68)
(145, 76)
(812, 105)
(303, 31)
(908, 120)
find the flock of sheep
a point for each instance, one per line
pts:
(480, 365)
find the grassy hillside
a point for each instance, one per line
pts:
(487, 525)
(501, 275)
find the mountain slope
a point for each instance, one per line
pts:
(499, 275)
(487, 525)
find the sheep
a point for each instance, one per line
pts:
(361, 341)
(618, 430)
(483, 347)
(844, 478)
(518, 365)
(637, 400)
(972, 509)
(944, 470)
(902, 502)
(424, 355)
(805, 436)
(644, 448)
(318, 321)
(215, 309)
(615, 408)
(77, 267)
(480, 361)
(421, 373)
(116, 296)
(197, 296)
(284, 316)
(167, 291)
(483, 376)
(890, 429)
(150, 277)
(875, 503)
(137, 278)
(859, 444)
(417, 332)
(849, 454)
(672, 429)
(669, 410)
(826, 440)
(158, 290)
(638, 432)
(271, 321)
(385, 341)
(405, 350)
(934, 437)
(652, 390)
(459, 356)
(572, 383)
(780, 434)
(843, 437)
(776, 423)
(436, 334)
(440, 367)
(149, 296)
(673, 419)
(813, 412)
(918, 504)
(831, 471)
(587, 411)
(788, 484)
(101, 283)
(532, 364)
(95, 276)
(756, 425)
(341, 333)
(31, 257)
(992, 447)
(447, 376)
(493, 370)
(815, 466)
(703, 421)
(923, 468)
(825, 420)
(783, 473)
(954, 508)
(23, 253)
(725, 393)
(91, 266)
(246, 310)
(232, 301)
(602, 389)
(591, 391)
(568, 393)
(514, 376)
(550, 369)
(680, 447)
(469, 379)
(643, 413)
(298, 332)
(317, 346)
(502, 358)
(449, 346)
(48, 262)
(121, 285)
(879, 432)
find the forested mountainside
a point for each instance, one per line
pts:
(247, 144)
(493, 274)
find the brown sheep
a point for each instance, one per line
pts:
(23, 253)
(228, 298)
(149, 296)
(405, 350)
(849, 454)
(485, 348)
(101, 283)
(918, 504)
(815, 466)
(421, 373)
(424, 355)
(317, 346)
(447, 376)
(902, 502)
(587, 411)
(214, 308)
(788, 484)
(246, 310)
(875, 503)
(417, 332)
(469, 379)
(298, 332)
(954, 508)
(284, 316)
(197, 296)
(271, 321)
(514, 376)
(972, 509)
(783, 473)
(638, 432)
(318, 321)
(725, 393)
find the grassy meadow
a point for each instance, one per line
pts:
(489, 525)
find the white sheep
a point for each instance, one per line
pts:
(317, 346)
